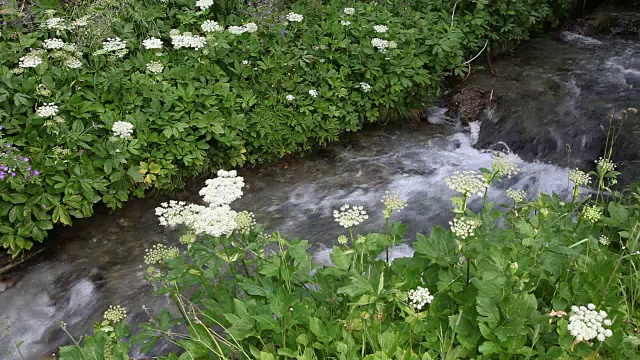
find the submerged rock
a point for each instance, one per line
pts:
(469, 103)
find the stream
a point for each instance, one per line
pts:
(555, 93)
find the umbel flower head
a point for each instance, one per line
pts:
(47, 110)
(419, 297)
(579, 178)
(115, 314)
(122, 129)
(293, 17)
(464, 227)
(505, 164)
(211, 26)
(155, 67)
(585, 323)
(392, 202)
(245, 221)
(592, 213)
(517, 195)
(349, 216)
(469, 183)
(160, 253)
(152, 43)
(224, 189)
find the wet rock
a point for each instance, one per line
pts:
(469, 103)
(614, 23)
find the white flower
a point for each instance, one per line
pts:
(52, 44)
(380, 28)
(113, 44)
(392, 45)
(55, 24)
(211, 26)
(211, 220)
(349, 11)
(159, 253)
(224, 189)
(293, 17)
(174, 32)
(579, 178)
(246, 62)
(290, 97)
(237, 30)
(592, 213)
(517, 195)
(204, 4)
(464, 227)
(313, 93)
(345, 23)
(585, 323)
(419, 297)
(47, 110)
(245, 220)
(81, 22)
(73, 63)
(350, 216)
(365, 87)
(467, 182)
(605, 164)
(251, 27)
(379, 44)
(152, 43)
(30, 61)
(505, 164)
(604, 240)
(115, 314)
(187, 40)
(122, 129)
(155, 67)
(392, 202)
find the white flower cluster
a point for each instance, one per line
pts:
(217, 218)
(605, 164)
(55, 23)
(160, 253)
(32, 59)
(115, 314)
(224, 189)
(592, 213)
(210, 26)
(345, 22)
(394, 202)
(380, 28)
(73, 63)
(313, 93)
(349, 11)
(114, 46)
(604, 240)
(517, 195)
(122, 129)
(379, 44)
(505, 164)
(467, 182)
(204, 4)
(290, 97)
(52, 44)
(47, 110)
(365, 87)
(237, 30)
(350, 216)
(579, 177)
(155, 67)
(245, 220)
(419, 297)
(585, 323)
(251, 27)
(152, 43)
(187, 40)
(464, 227)
(293, 17)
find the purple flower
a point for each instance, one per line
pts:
(36, 172)
(28, 168)
(13, 174)
(26, 159)
(1, 127)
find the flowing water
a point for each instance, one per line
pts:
(553, 93)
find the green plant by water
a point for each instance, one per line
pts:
(540, 277)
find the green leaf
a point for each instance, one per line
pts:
(489, 347)
(134, 174)
(359, 285)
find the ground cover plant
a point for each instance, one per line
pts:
(539, 277)
(103, 100)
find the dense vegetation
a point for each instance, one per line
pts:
(102, 100)
(544, 279)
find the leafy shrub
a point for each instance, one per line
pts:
(232, 100)
(544, 278)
